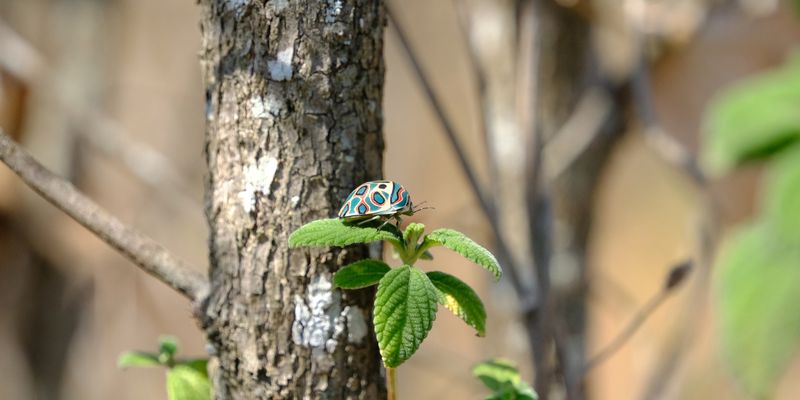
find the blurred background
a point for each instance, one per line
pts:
(109, 94)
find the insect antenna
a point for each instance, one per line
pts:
(419, 207)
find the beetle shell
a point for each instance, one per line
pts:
(376, 198)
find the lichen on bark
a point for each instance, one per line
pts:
(293, 112)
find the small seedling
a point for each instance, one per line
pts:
(502, 378)
(407, 298)
(186, 379)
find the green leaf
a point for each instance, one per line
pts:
(757, 295)
(167, 345)
(494, 373)
(463, 245)
(405, 307)
(189, 381)
(412, 233)
(335, 232)
(782, 196)
(754, 118)
(360, 274)
(426, 255)
(137, 359)
(461, 300)
(502, 378)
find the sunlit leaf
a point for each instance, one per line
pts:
(465, 246)
(137, 359)
(757, 296)
(502, 378)
(461, 300)
(782, 195)
(753, 119)
(335, 232)
(405, 307)
(188, 381)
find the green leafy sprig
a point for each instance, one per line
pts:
(186, 379)
(407, 298)
(756, 120)
(502, 378)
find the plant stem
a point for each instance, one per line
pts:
(390, 384)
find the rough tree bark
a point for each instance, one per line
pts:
(294, 122)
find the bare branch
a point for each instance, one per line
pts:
(657, 138)
(466, 28)
(140, 249)
(538, 204)
(487, 206)
(449, 131)
(578, 132)
(676, 276)
(102, 132)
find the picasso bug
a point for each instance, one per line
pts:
(376, 199)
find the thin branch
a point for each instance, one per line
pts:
(438, 109)
(140, 249)
(486, 204)
(102, 132)
(684, 161)
(466, 27)
(657, 138)
(633, 326)
(676, 276)
(578, 132)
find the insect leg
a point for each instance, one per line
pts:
(389, 220)
(370, 219)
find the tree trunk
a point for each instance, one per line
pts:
(294, 121)
(565, 75)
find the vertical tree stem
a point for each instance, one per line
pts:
(293, 123)
(391, 382)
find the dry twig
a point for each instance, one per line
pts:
(486, 204)
(676, 276)
(140, 249)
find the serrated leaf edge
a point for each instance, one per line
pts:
(325, 241)
(448, 305)
(432, 291)
(493, 267)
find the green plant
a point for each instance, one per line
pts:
(186, 379)
(502, 378)
(758, 271)
(407, 298)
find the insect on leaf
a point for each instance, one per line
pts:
(461, 300)
(465, 246)
(335, 232)
(405, 307)
(360, 274)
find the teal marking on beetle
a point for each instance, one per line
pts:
(375, 199)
